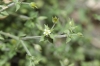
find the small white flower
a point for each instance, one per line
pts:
(46, 32)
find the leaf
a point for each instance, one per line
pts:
(1, 15)
(97, 16)
(4, 13)
(29, 24)
(61, 63)
(1, 38)
(67, 31)
(68, 40)
(17, 6)
(46, 27)
(49, 39)
(80, 34)
(73, 28)
(42, 39)
(22, 34)
(42, 18)
(52, 36)
(39, 27)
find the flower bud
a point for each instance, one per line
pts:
(33, 5)
(37, 47)
(55, 19)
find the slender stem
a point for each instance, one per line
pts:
(9, 35)
(38, 37)
(26, 38)
(60, 36)
(53, 26)
(17, 38)
(10, 5)
(30, 63)
(23, 43)
(29, 37)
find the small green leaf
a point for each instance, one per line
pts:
(61, 63)
(97, 16)
(52, 36)
(80, 34)
(1, 15)
(49, 39)
(36, 62)
(73, 28)
(67, 32)
(4, 13)
(22, 34)
(39, 27)
(68, 40)
(29, 24)
(1, 38)
(42, 39)
(46, 27)
(28, 56)
(17, 6)
(41, 18)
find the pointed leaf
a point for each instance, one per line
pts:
(1, 38)
(17, 6)
(4, 13)
(42, 39)
(49, 39)
(68, 40)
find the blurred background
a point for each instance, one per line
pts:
(80, 51)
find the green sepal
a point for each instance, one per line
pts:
(49, 38)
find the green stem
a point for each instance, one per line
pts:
(16, 38)
(26, 49)
(29, 37)
(53, 26)
(9, 35)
